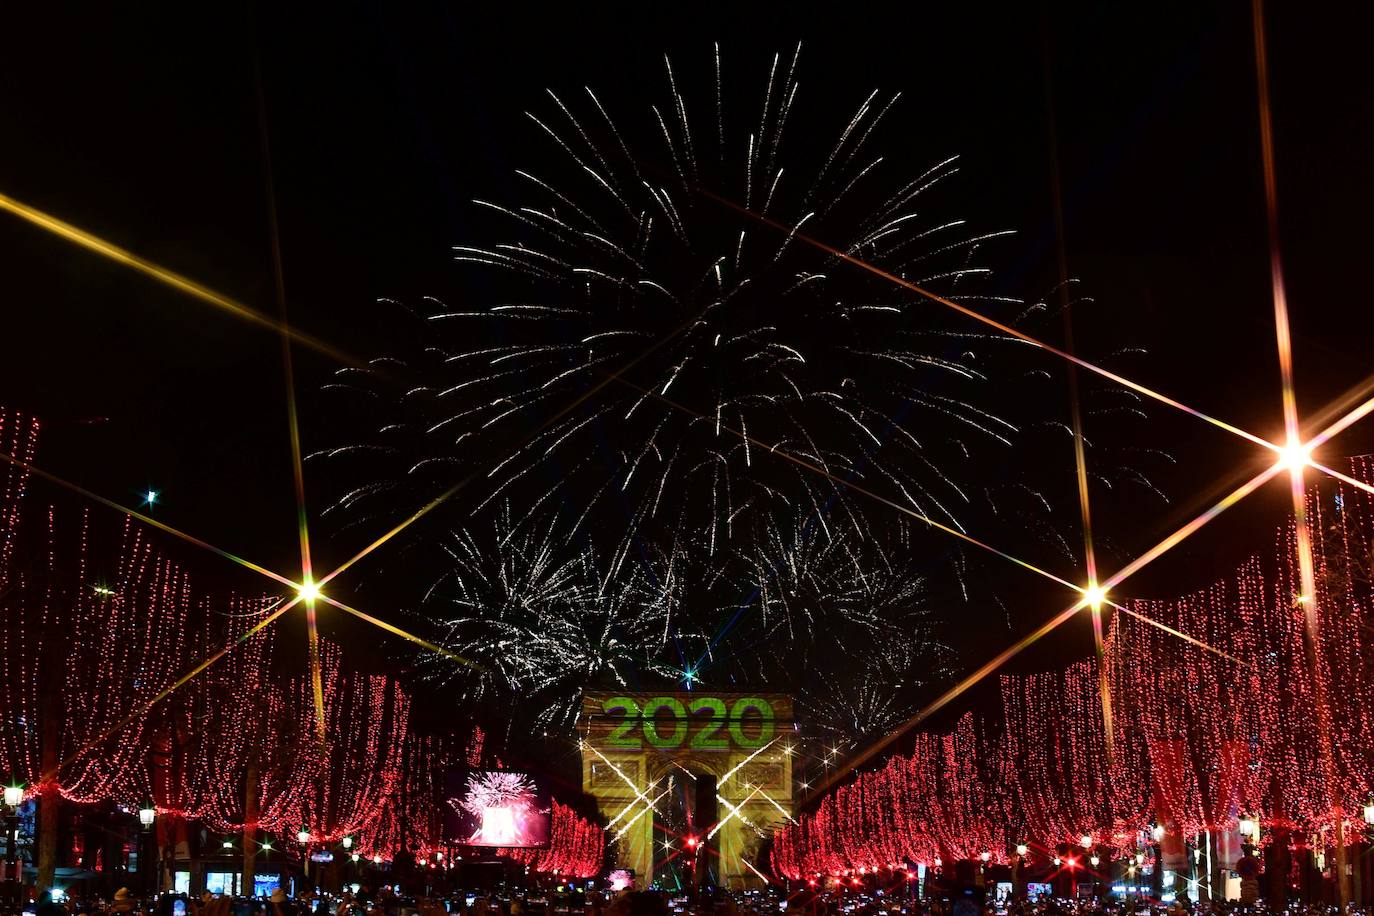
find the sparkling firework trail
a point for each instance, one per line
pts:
(677, 539)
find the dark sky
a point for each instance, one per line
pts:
(141, 125)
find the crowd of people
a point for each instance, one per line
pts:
(387, 901)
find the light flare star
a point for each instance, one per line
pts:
(1094, 596)
(1295, 457)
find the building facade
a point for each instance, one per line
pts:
(689, 783)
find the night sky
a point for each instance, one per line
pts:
(385, 120)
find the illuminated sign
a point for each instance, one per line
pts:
(689, 721)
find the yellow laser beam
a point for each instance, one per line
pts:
(641, 797)
(288, 373)
(1343, 478)
(849, 484)
(1179, 633)
(1080, 459)
(644, 795)
(1359, 412)
(949, 696)
(1173, 540)
(1103, 687)
(1283, 334)
(316, 674)
(410, 520)
(781, 810)
(146, 519)
(736, 767)
(526, 440)
(652, 806)
(176, 685)
(734, 812)
(990, 322)
(169, 277)
(1034, 636)
(397, 631)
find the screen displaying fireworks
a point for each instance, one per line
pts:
(502, 808)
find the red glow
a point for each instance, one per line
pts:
(1217, 736)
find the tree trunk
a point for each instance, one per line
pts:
(50, 799)
(1342, 878)
(250, 828)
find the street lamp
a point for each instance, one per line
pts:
(1247, 826)
(303, 837)
(1086, 841)
(146, 816)
(14, 797)
(1022, 849)
(346, 842)
(1157, 832)
(1368, 809)
(1094, 860)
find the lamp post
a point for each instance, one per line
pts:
(147, 815)
(303, 837)
(1248, 828)
(14, 797)
(346, 841)
(1157, 879)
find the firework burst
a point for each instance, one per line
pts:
(632, 531)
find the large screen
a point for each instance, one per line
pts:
(496, 808)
